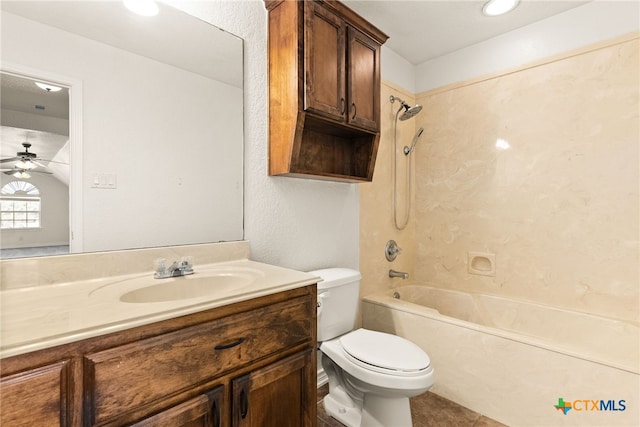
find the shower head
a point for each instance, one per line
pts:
(408, 150)
(409, 111)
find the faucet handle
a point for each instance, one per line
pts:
(392, 250)
(160, 264)
(186, 263)
(160, 267)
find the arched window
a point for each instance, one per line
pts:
(19, 205)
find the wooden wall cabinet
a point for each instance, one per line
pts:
(324, 91)
(251, 363)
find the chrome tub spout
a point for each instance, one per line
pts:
(393, 273)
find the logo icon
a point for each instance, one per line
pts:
(563, 406)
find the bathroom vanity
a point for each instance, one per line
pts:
(242, 357)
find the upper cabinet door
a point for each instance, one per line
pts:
(363, 80)
(324, 79)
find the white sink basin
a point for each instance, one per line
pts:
(209, 284)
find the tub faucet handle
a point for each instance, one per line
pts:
(392, 250)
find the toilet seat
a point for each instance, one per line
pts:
(385, 353)
(377, 376)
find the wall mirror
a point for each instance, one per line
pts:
(150, 152)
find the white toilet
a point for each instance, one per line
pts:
(371, 374)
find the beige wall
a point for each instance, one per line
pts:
(376, 202)
(558, 208)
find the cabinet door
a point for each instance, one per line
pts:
(37, 397)
(363, 80)
(324, 67)
(201, 411)
(278, 395)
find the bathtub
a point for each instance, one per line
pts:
(513, 361)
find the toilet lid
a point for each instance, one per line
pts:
(385, 350)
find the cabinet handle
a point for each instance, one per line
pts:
(244, 404)
(231, 344)
(342, 106)
(353, 106)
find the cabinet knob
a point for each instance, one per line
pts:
(353, 107)
(342, 106)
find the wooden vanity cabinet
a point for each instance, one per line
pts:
(246, 364)
(324, 91)
(40, 394)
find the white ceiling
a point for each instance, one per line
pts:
(420, 30)
(200, 48)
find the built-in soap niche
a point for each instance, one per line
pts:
(481, 263)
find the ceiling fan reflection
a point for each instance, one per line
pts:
(25, 161)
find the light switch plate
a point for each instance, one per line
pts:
(104, 180)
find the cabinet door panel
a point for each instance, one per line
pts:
(201, 411)
(364, 80)
(38, 397)
(276, 395)
(324, 62)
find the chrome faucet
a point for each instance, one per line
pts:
(393, 273)
(177, 268)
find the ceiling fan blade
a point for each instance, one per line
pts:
(37, 171)
(10, 159)
(51, 161)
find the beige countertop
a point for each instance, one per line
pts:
(38, 317)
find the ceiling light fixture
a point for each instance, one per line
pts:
(499, 7)
(142, 7)
(26, 164)
(22, 174)
(48, 87)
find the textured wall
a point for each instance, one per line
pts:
(540, 168)
(291, 222)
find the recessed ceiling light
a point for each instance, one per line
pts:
(142, 7)
(48, 87)
(499, 7)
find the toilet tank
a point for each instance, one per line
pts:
(338, 295)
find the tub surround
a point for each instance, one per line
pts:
(376, 207)
(596, 339)
(543, 174)
(56, 300)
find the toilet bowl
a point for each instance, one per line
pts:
(371, 374)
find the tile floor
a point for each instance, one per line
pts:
(427, 410)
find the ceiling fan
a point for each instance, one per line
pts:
(25, 163)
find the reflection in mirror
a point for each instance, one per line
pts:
(155, 151)
(34, 184)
